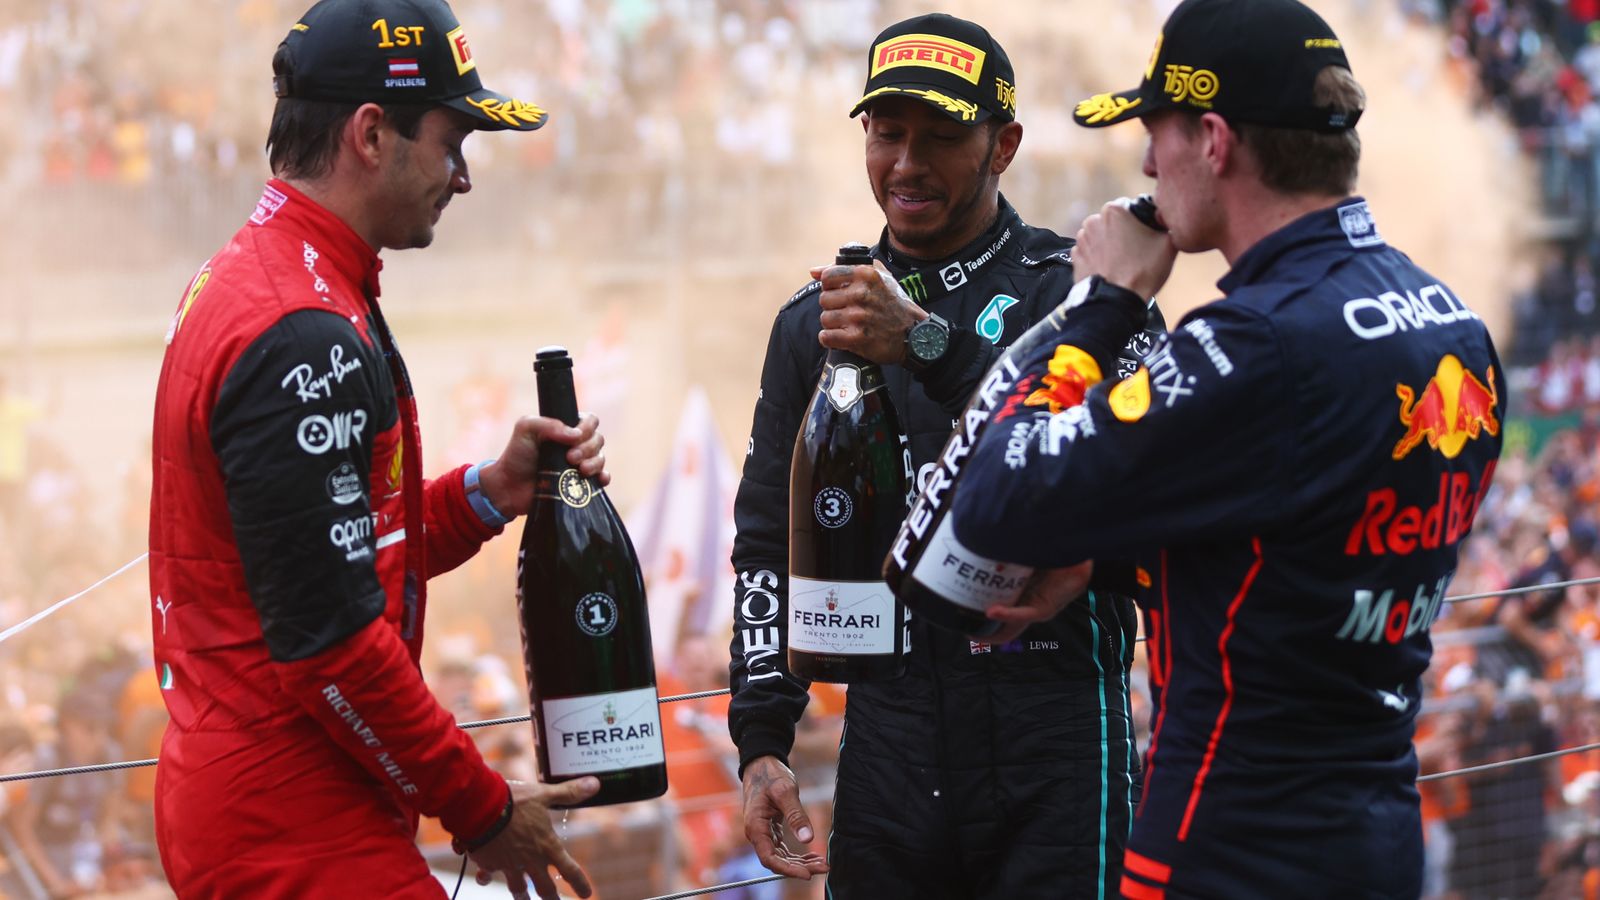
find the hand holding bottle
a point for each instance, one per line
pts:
(865, 312)
(771, 801)
(1117, 245)
(508, 481)
(529, 845)
(1043, 598)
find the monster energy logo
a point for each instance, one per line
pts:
(914, 287)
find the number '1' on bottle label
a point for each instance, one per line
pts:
(841, 617)
(965, 578)
(603, 732)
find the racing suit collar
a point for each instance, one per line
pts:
(1329, 224)
(334, 241)
(926, 281)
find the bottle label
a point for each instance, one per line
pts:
(844, 387)
(568, 485)
(965, 578)
(841, 617)
(602, 733)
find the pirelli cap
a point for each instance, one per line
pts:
(392, 51)
(1252, 61)
(950, 63)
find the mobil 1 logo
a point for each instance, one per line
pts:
(833, 507)
(596, 614)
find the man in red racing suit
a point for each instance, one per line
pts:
(292, 533)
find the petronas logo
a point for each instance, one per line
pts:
(914, 287)
(991, 322)
(166, 677)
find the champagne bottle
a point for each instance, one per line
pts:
(930, 571)
(847, 494)
(585, 627)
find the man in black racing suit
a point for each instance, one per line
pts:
(988, 770)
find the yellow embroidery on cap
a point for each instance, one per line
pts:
(1104, 108)
(515, 113)
(1006, 93)
(1196, 86)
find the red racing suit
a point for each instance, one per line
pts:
(291, 539)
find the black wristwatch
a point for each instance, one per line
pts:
(926, 343)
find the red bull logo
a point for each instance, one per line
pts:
(1072, 373)
(1455, 407)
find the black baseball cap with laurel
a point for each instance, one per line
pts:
(950, 63)
(393, 51)
(1250, 61)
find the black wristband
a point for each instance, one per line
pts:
(499, 825)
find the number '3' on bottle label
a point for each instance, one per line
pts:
(603, 732)
(833, 507)
(842, 617)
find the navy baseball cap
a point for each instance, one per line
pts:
(393, 51)
(950, 63)
(1251, 61)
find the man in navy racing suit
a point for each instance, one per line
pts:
(988, 770)
(1293, 470)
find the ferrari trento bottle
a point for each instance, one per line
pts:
(847, 495)
(585, 628)
(930, 571)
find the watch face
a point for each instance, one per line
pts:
(928, 341)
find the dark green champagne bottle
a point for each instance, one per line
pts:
(585, 626)
(847, 495)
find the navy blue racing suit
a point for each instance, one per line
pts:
(1293, 470)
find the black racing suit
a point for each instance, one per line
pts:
(1002, 771)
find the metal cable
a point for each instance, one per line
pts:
(512, 720)
(79, 770)
(1509, 592)
(721, 887)
(50, 610)
(1508, 762)
(140, 763)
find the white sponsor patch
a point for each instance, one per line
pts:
(1066, 426)
(351, 536)
(1359, 226)
(318, 434)
(953, 276)
(271, 201)
(1167, 380)
(344, 483)
(1201, 331)
(1399, 311)
(308, 385)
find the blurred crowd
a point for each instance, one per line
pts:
(652, 101)
(1537, 63)
(656, 102)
